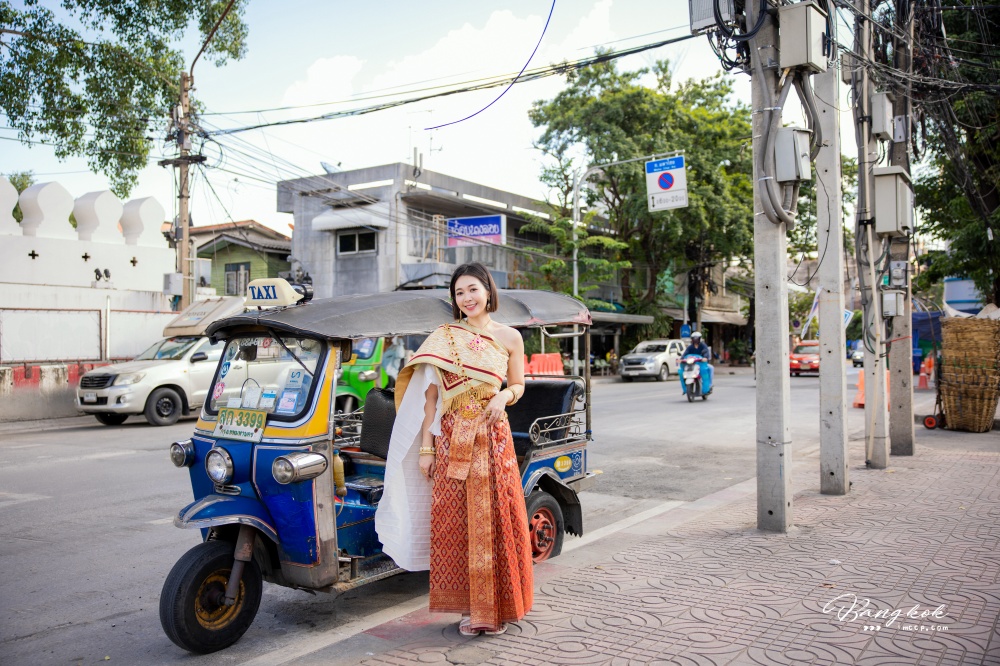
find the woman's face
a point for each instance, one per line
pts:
(470, 296)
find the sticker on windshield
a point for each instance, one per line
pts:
(265, 343)
(231, 352)
(234, 403)
(224, 370)
(287, 403)
(295, 378)
(217, 393)
(267, 399)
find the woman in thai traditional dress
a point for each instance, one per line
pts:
(453, 501)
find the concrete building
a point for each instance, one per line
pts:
(384, 228)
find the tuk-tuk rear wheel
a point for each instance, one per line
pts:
(545, 526)
(192, 604)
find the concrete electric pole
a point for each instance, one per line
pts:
(901, 374)
(833, 467)
(774, 438)
(876, 411)
(183, 193)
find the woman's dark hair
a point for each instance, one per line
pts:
(481, 273)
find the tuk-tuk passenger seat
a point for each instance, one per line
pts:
(376, 423)
(542, 398)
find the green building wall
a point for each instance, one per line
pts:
(265, 266)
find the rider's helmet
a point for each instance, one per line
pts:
(696, 335)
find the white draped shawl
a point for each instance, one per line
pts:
(403, 517)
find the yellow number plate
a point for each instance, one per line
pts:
(243, 424)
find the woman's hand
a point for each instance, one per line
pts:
(427, 465)
(496, 407)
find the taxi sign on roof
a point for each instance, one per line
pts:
(271, 292)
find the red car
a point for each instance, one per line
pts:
(804, 357)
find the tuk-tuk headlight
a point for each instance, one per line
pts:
(219, 465)
(182, 453)
(298, 467)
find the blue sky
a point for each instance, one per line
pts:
(316, 52)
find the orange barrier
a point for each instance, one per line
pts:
(545, 364)
(859, 397)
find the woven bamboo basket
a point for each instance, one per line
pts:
(970, 373)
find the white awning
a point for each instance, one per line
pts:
(347, 218)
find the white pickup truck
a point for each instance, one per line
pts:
(169, 379)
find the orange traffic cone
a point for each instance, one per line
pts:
(922, 382)
(859, 397)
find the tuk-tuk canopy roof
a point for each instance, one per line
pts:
(403, 313)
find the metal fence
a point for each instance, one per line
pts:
(30, 335)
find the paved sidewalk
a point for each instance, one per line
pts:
(698, 584)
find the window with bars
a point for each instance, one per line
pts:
(237, 278)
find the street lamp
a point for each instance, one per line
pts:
(577, 179)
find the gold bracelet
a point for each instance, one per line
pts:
(427, 451)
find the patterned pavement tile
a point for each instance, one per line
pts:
(835, 590)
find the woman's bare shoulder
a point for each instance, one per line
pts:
(509, 337)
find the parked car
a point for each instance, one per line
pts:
(651, 358)
(168, 380)
(804, 357)
(858, 357)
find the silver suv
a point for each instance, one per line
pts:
(651, 358)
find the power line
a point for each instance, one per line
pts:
(531, 75)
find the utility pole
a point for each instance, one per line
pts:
(182, 123)
(901, 373)
(183, 194)
(876, 411)
(833, 463)
(774, 439)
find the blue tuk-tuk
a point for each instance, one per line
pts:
(286, 487)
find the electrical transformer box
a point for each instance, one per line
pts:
(893, 201)
(882, 116)
(173, 284)
(703, 16)
(791, 155)
(802, 31)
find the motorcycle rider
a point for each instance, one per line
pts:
(699, 348)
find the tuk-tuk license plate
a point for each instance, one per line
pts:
(242, 424)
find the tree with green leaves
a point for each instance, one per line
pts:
(611, 115)
(958, 189)
(599, 257)
(99, 79)
(21, 180)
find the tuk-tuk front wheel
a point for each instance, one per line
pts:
(545, 526)
(192, 604)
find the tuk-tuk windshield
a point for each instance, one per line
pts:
(168, 349)
(259, 372)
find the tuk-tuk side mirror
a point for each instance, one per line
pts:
(200, 356)
(346, 351)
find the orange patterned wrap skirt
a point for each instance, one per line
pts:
(480, 550)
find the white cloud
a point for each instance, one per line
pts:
(326, 79)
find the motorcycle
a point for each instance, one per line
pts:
(695, 378)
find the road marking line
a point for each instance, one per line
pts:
(10, 499)
(300, 647)
(161, 521)
(625, 523)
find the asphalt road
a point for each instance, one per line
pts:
(86, 537)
